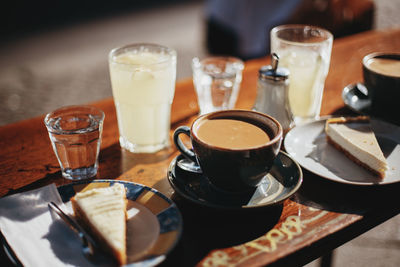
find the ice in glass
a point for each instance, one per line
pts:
(143, 85)
(306, 52)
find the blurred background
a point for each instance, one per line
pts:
(54, 53)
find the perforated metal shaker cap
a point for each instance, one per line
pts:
(272, 72)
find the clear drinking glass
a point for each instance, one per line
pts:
(217, 82)
(306, 52)
(75, 134)
(143, 85)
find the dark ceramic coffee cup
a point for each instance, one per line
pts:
(235, 170)
(381, 73)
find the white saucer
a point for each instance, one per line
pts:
(307, 145)
(355, 97)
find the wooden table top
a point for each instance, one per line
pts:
(321, 216)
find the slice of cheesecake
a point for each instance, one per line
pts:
(102, 213)
(354, 137)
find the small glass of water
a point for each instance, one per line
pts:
(75, 134)
(217, 82)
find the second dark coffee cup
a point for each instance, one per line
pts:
(234, 148)
(381, 72)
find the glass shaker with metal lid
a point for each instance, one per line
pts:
(272, 93)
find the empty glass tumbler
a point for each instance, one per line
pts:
(217, 82)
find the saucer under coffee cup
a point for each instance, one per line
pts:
(235, 149)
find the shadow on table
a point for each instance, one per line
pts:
(114, 161)
(321, 193)
(206, 229)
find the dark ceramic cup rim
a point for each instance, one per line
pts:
(234, 112)
(379, 54)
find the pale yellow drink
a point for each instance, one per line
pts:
(143, 84)
(307, 78)
(306, 51)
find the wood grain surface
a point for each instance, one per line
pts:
(319, 217)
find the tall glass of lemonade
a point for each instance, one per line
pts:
(306, 52)
(143, 86)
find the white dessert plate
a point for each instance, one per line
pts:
(308, 146)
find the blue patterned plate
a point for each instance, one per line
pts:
(154, 221)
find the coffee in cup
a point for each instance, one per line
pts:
(234, 148)
(384, 66)
(381, 73)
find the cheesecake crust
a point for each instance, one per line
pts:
(361, 119)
